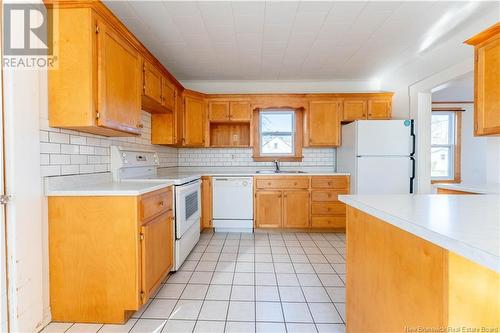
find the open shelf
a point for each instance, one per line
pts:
(230, 134)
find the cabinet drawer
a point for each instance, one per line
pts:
(328, 222)
(285, 182)
(319, 196)
(341, 182)
(328, 208)
(155, 203)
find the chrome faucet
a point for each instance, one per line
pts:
(277, 165)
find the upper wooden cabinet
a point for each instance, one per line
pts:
(379, 109)
(158, 93)
(224, 111)
(96, 86)
(193, 121)
(323, 123)
(486, 81)
(371, 107)
(354, 109)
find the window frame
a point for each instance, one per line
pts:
(455, 147)
(297, 135)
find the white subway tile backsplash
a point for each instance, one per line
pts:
(56, 159)
(50, 148)
(69, 149)
(58, 137)
(78, 140)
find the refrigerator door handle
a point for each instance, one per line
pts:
(413, 138)
(412, 178)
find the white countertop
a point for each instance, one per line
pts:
(102, 183)
(468, 225)
(480, 188)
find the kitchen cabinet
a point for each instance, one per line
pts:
(447, 191)
(224, 111)
(156, 248)
(371, 108)
(97, 85)
(379, 109)
(107, 254)
(268, 208)
(158, 93)
(486, 81)
(296, 209)
(354, 109)
(323, 123)
(300, 201)
(206, 203)
(193, 122)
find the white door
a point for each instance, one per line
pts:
(383, 175)
(384, 137)
(232, 198)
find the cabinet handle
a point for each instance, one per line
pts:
(140, 125)
(161, 203)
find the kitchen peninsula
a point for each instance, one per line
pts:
(424, 261)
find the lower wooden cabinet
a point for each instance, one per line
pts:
(107, 254)
(156, 248)
(300, 202)
(447, 191)
(268, 208)
(296, 209)
(206, 203)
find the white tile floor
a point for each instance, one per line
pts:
(262, 282)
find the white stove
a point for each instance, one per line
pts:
(142, 165)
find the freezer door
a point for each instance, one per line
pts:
(232, 198)
(384, 138)
(383, 175)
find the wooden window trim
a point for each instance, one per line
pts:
(298, 139)
(457, 176)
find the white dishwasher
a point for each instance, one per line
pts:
(232, 204)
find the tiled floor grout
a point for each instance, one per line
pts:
(311, 249)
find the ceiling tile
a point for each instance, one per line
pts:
(280, 12)
(315, 6)
(249, 24)
(309, 21)
(221, 34)
(345, 11)
(181, 8)
(216, 13)
(252, 8)
(273, 47)
(277, 32)
(190, 24)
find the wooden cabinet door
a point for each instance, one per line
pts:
(218, 111)
(152, 82)
(156, 252)
(296, 209)
(487, 87)
(379, 109)
(206, 202)
(268, 208)
(239, 111)
(354, 109)
(118, 82)
(324, 123)
(194, 122)
(169, 94)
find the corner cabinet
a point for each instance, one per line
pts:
(486, 81)
(107, 254)
(96, 86)
(323, 123)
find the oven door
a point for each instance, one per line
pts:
(187, 207)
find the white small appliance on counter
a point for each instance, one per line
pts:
(141, 165)
(379, 155)
(232, 204)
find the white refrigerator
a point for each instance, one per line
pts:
(379, 155)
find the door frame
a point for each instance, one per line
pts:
(420, 109)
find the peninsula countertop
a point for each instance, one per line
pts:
(479, 188)
(467, 225)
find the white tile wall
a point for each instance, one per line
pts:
(65, 152)
(243, 157)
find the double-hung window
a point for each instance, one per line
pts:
(445, 146)
(278, 135)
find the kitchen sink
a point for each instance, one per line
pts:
(280, 171)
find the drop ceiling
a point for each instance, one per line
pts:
(271, 40)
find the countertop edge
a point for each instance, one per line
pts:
(111, 192)
(472, 253)
(492, 188)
